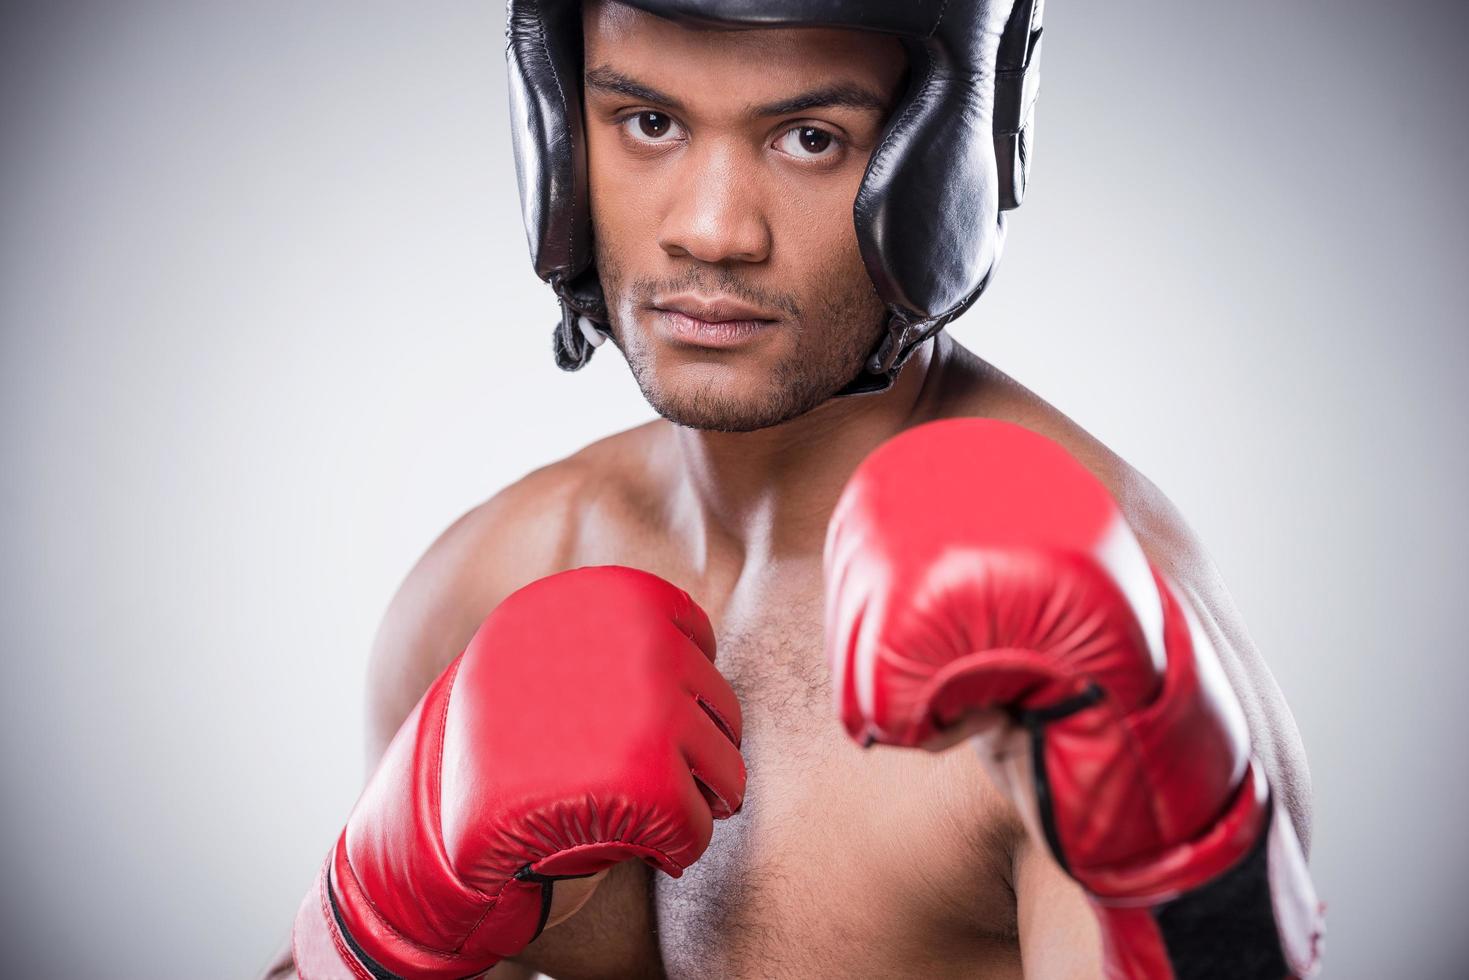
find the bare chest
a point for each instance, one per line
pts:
(843, 862)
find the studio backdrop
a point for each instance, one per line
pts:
(267, 326)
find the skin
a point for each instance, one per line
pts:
(706, 188)
(843, 862)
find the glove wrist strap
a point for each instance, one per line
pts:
(1258, 919)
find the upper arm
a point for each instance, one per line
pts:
(483, 556)
(1174, 548)
(1059, 933)
(526, 532)
(521, 534)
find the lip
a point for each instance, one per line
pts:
(717, 321)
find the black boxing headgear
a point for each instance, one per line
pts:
(929, 214)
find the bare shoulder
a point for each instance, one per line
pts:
(1171, 545)
(526, 531)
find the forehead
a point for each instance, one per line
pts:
(735, 61)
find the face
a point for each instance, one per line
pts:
(724, 165)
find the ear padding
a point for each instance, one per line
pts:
(929, 213)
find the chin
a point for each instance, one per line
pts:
(721, 398)
(730, 399)
(735, 390)
(742, 379)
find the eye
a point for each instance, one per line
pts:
(809, 143)
(649, 126)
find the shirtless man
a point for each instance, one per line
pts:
(722, 168)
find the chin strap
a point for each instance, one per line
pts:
(584, 324)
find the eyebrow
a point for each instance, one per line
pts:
(842, 95)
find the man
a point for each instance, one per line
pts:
(722, 161)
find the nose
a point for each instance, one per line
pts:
(716, 214)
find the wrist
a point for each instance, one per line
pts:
(1257, 917)
(1161, 876)
(340, 935)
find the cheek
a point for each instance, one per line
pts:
(817, 228)
(621, 203)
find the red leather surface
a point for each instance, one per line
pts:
(581, 727)
(972, 564)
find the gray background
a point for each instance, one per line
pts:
(268, 326)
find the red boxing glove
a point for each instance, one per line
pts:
(974, 566)
(585, 724)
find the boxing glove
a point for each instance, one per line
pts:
(975, 568)
(584, 725)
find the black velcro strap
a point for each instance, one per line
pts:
(1226, 928)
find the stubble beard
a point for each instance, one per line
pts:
(830, 348)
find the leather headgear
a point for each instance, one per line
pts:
(954, 155)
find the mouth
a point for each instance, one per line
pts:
(714, 322)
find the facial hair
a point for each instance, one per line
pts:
(831, 346)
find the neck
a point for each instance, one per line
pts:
(766, 495)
